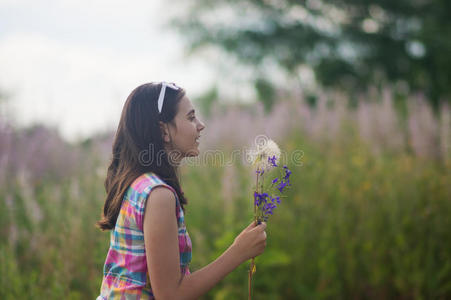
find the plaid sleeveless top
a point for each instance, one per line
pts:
(125, 274)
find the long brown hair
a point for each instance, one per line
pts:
(139, 133)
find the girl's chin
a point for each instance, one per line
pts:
(193, 152)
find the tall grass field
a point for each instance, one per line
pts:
(368, 215)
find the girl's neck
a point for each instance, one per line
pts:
(175, 158)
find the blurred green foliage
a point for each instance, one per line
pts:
(355, 225)
(348, 44)
(207, 100)
(265, 93)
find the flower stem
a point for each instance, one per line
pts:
(250, 279)
(251, 266)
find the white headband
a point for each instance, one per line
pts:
(162, 92)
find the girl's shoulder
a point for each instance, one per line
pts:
(147, 181)
(137, 195)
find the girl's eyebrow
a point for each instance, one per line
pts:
(191, 111)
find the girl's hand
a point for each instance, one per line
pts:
(251, 242)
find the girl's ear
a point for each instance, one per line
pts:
(165, 132)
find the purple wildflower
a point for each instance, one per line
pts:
(287, 173)
(267, 203)
(283, 184)
(268, 208)
(256, 198)
(260, 198)
(272, 160)
(276, 199)
(264, 197)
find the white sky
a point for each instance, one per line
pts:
(71, 64)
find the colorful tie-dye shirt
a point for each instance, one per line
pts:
(125, 274)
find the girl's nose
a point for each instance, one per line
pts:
(201, 125)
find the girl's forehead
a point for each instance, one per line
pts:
(185, 105)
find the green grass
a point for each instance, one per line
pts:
(355, 225)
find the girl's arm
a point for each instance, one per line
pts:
(163, 258)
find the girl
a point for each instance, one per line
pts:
(150, 249)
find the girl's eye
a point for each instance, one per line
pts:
(192, 118)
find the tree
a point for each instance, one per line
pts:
(348, 43)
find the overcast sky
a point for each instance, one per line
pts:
(72, 63)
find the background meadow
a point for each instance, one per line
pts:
(356, 93)
(366, 217)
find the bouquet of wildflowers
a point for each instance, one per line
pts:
(266, 159)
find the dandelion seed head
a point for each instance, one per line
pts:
(266, 154)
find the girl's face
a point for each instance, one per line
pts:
(183, 138)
